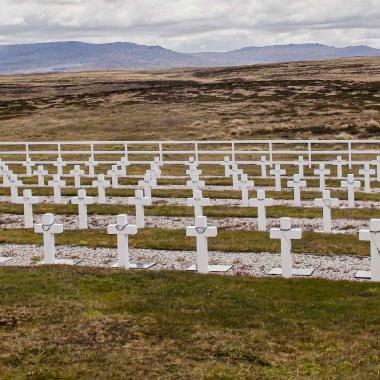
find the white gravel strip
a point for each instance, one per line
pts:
(249, 224)
(252, 264)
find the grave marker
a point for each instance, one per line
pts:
(244, 185)
(56, 183)
(286, 234)
(122, 230)
(261, 203)
(28, 201)
(350, 184)
(77, 172)
(297, 184)
(40, 173)
(366, 172)
(277, 172)
(101, 184)
(327, 203)
(202, 232)
(198, 202)
(82, 201)
(322, 172)
(139, 201)
(373, 236)
(48, 228)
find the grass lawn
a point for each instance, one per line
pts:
(229, 241)
(79, 323)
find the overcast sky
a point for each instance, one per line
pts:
(192, 25)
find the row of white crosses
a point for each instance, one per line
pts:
(201, 231)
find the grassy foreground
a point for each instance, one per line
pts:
(228, 241)
(79, 323)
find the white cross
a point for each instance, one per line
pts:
(14, 183)
(297, 184)
(40, 173)
(77, 172)
(322, 172)
(327, 203)
(301, 163)
(377, 163)
(28, 201)
(261, 202)
(286, 234)
(263, 164)
(82, 201)
(277, 172)
(114, 173)
(101, 183)
(56, 183)
(227, 166)
(339, 163)
(28, 164)
(124, 162)
(192, 164)
(139, 201)
(198, 202)
(195, 183)
(244, 185)
(91, 166)
(235, 172)
(350, 184)
(5, 172)
(122, 229)
(202, 232)
(372, 235)
(193, 172)
(367, 172)
(48, 228)
(154, 170)
(147, 184)
(59, 164)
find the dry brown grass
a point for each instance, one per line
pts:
(329, 99)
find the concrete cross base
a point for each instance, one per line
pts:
(212, 268)
(364, 274)
(62, 262)
(296, 272)
(136, 265)
(5, 259)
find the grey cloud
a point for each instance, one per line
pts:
(192, 25)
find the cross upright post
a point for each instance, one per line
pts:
(286, 234)
(327, 203)
(244, 185)
(198, 202)
(28, 201)
(366, 172)
(77, 173)
(29, 164)
(373, 236)
(277, 172)
(40, 173)
(82, 201)
(350, 184)
(101, 184)
(297, 184)
(49, 228)
(56, 183)
(261, 203)
(139, 201)
(322, 172)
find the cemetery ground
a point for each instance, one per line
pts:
(70, 323)
(91, 321)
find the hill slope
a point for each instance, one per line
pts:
(79, 56)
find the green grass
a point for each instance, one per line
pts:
(79, 323)
(211, 211)
(229, 241)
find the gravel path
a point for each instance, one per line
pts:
(250, 224)
(252, 264)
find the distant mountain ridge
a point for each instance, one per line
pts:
(80, 56)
